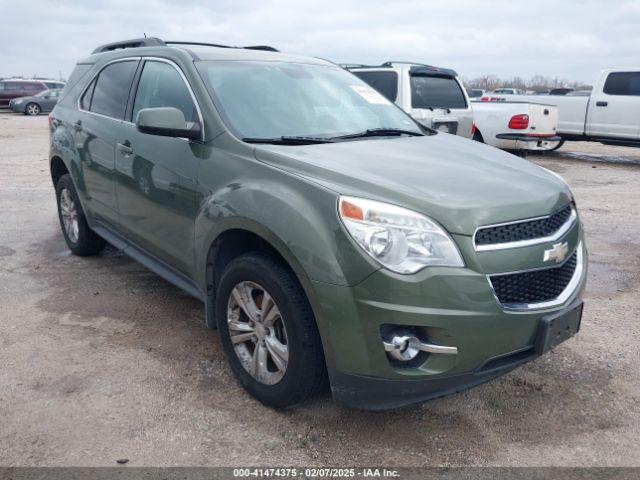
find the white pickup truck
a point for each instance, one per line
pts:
(516, 125)
(435, 97)
(610, 115)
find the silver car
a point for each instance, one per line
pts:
(35, 104)
(433, 96)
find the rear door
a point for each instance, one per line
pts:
(97, 125)
(156, 186)
(614, 107)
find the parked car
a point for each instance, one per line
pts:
(329, 236)
(432, 96)
(474, 93)
(609, 115)
(516, 125)
(35, 104)
(54, 84)
(507, 91)
(560, 91)
(15, 88)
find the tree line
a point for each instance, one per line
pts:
(536, 83)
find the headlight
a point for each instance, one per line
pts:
(401, 240)
(17, 102)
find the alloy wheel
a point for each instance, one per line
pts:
(33, 109)
(257, 332)
(69, 215)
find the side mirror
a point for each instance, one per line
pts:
(166, 122)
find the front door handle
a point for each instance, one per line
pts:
(602, 104)
(124, 148)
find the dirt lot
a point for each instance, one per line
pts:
(101, 359)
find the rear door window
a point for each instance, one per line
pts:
(384, 82)
(112, 89)
(623, 83)
(436, 92)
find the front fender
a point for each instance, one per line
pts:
(299, 219)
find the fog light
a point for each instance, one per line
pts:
(403, 347)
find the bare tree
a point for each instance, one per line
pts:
(536, 83)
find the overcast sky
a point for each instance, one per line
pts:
(568, 39)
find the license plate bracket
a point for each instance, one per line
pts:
(556, 328)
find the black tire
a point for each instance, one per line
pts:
(32, 109)
(560, 143)
(477, 136)
(87, 242)
(305, 374)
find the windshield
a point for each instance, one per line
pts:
(276, 99)
(436, 92)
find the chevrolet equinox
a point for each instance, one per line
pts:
(331, 239)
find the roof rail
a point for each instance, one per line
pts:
(423, 66)
(133, 43)
(156, 42)
(265, 48)
(356, 65)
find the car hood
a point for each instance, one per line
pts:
(460, 183)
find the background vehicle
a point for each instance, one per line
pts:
(14, 88)
(35, 104)
(507, 91)
(475, 93)
(560, 91)
(432, 96)
(516, 125)
(609, 115)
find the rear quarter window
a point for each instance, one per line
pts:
(384, 82)
(623, 83)
(434, 91)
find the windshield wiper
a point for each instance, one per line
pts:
(380, 132)
(289, 140)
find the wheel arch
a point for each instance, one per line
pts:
(243, 236)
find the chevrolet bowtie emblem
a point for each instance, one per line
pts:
(558, 253)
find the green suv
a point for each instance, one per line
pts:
(331, 239)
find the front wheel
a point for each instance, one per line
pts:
(268, 331)
(81, 240)
(32, 109)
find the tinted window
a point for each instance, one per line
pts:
(34, 86)
(14, 86)
(623, 83)
(384, 82)
(441, 92)
(162, 86)
(1, 86)
(112, 88)
(85, 101)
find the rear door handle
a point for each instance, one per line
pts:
(124, 148)
(602, 104)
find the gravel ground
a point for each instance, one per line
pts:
(103, 360)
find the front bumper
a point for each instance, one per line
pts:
(16, 108)
(450, 306)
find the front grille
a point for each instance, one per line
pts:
(534, 286)
(525, 230)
